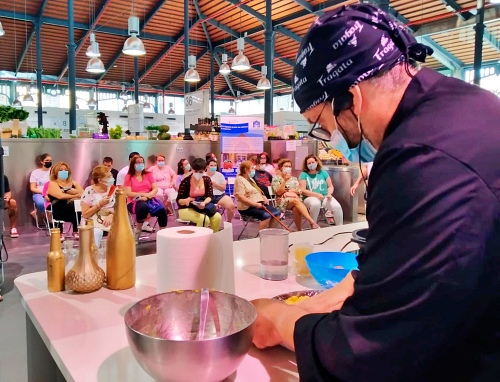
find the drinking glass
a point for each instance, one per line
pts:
(273, 254)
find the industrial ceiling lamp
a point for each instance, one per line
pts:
(125, 108)
(171, 108)
(95, 66)
(192, 74)
(264, 83)
(133, 46)
(231, 108)
(123, 94)
(2, 32)
(28, 97)
(224, 68)
(17, 103)
(238, 97)
(93, 48)
(33, 88)
(240, 62)
(146, 104)
(91, 103)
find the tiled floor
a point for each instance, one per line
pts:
(27, 254)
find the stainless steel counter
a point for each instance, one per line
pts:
(343, 178)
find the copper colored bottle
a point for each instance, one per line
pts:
(85, 276)
(120, 248)
(55, 263)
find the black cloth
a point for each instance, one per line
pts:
(426, 302)
(141, 211)
(114, 172)
(6, 186)
(263, 179)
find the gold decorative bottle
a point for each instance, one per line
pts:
(85, 276)
(93, 245)
(120, 249)
(55, 263)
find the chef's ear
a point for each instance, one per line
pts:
(357, 100)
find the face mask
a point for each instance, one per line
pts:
(187, 167)
(110, 181)
(47, 164)
(213, 168)
(139, 167)
(252, 173)
(363, 153)
(197, 175)
(160, 164)
(63, 174)
(312, 166)
(287, 170)
(262, 167)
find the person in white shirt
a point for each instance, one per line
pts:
(38, 178)
(120, 178)
(219, 185)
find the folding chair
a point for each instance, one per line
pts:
(147, 235)
(247, 220)
(48, 210)
(37, 222)
(175, 210)
(78, 209)
(230, 190)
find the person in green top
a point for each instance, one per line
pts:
(317, 188)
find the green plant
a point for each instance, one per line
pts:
(116, 132)
(8, 113)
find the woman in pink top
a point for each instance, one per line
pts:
(164, 177)
(140, 187)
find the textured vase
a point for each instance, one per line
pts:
(120, 249)
(93, 245)
(55, 263)
(85, 276)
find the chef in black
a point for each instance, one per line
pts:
(425, 304)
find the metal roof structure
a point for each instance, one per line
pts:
(446, 25)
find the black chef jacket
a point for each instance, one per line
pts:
(426, 302)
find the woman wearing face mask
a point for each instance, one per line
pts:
(264, 173)
(183, 170)
(164, 177)
(96, 204)
(140, 187)
(317, 188)
(62, 192)
(289, 195)
(195, 198)
(38, 178)
(219, 184)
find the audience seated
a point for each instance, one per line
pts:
(219, 185)
(120, 178)
(263, 178)
(11, 207)
(38, 178)
(265, 164)
(164, 177)
(108, 162)
(183, 170)
(151, 161)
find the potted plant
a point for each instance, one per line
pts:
(9, 113)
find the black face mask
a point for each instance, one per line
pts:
(47, 164)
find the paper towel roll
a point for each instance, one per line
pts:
(195, 257)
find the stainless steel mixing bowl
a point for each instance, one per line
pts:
(162, 332)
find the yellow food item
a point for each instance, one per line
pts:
(301, 267)
(295, 299)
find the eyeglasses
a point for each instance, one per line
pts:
(317, 131)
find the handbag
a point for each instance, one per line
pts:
(98, 219)
(155, 205)
(209, 210)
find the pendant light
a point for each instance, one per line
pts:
(224, 68)
(133, 46)
(33, 88)
(264, 83)
(93, 49)
(95, 66)
(28, 97)
(91, 103)
(238, 97)
(231, 108)
(146, 104)
(240, 62)
(125, 108)
(192, 74)
(2, 32)
(171, 108)
(17, 103)
(123, 94)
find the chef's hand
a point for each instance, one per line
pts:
(353, 190)
(329, 300)
(275, 323)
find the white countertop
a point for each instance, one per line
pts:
(85, 333)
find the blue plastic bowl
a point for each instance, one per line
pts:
(329, 268)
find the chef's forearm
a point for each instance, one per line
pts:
(286, 317)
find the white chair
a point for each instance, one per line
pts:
(175, 210)
(78, 209)
(272, 194)
(37, 222)
(48, 211)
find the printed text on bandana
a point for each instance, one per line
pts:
(357, 27)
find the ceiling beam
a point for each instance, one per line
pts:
(118, 53)
(442, 55)
(491, 40)
(181, 72)
(247, 9)
(288, 33)
(318, 9)
(453, 6)
(32, 34)
(304, 4)
(83, 40)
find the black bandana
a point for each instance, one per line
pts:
(347, 46)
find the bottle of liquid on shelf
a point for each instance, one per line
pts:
(55, 263)
(120, 249)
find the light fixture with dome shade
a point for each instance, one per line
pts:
(33, 88)
(224, 68)
(17, 103)
(91, 103)
(238, 97)
(95, 66)
(2, 31)
(146, 104)
(93, 49)
(264, 83)
(28, 97)
(240, 62)
(125, 108)
(133, 46)
(231, 108)
(192, 74)
(123, 94)
(171, 108)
